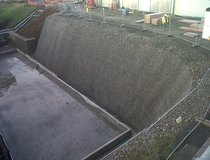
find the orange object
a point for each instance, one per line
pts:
(90, 3)
(35, 3)
(149, 17)
(52, 1)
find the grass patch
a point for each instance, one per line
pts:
(160, 149)
(12, 13)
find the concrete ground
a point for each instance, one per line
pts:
(39, 121)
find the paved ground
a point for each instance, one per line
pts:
(40, 121)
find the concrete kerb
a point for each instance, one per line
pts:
(108, 146)
(134, 137)
(91, 105)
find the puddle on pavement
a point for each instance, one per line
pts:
(10, 68)
(13, 72)
(5, 82)
(6, 77)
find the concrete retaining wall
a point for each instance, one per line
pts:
(27, 45)
(133, 76)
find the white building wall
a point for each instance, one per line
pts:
(106, 3)
(145, 5)
(192, 8)
(155, 5)
(160, 6)
(132, 4)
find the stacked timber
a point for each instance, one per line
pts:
(194, 27)
(190, 29)
(150, 17)
(157, 21)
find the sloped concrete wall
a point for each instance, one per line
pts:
(131, 75)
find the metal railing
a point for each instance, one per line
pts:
(164, 137)
(195, 104)
(19, 25)
(119, 17)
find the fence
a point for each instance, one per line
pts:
(161, 139)
(188, 29)
(164, 137)
(5, 32)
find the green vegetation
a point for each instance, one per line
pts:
(163, 146)
(12, 13)
(160, 148)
